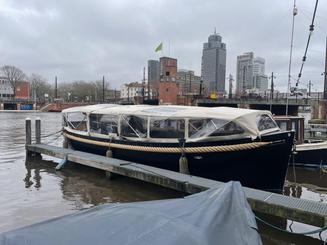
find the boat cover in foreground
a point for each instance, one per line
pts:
(216, 216)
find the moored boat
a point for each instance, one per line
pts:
(307, 152)
(219, 143)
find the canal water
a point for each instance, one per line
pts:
(33, 191)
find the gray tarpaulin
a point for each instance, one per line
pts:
(216, 216)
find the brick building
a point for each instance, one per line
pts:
(168, 88)
(22, 90)
(168, 93)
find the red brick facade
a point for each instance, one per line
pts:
(168, 66)
(168, 93)
(22, 90)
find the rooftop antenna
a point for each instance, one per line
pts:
(215, 31)
(290, 61)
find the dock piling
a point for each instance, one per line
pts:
(28, 131)
(38, 130)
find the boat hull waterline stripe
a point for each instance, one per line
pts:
(202, 149)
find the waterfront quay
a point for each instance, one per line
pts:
(33, 190)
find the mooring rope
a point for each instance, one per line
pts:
(201, 149)
(292, 232)
(48, 135)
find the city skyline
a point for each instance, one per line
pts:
(51, 38)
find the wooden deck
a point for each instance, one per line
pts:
(304, 211)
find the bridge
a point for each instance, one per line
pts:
(277, 106)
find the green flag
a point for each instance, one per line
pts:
(159, 48)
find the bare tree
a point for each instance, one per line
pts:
(39, 87)
(14, 75)
(100, 89)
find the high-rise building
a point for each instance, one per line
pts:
(188, 83)
(250, 73)
(261, 82)
(244, 72)
(153, 72)
(258, 66)
(213, 67)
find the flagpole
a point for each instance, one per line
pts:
(169, 48)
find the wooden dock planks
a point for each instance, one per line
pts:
(300, 210)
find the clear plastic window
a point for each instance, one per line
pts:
(265, 122)
(134, 126)
(76, 120)
(212, 127)
(167, 128)
(230, 128)
(103, 124)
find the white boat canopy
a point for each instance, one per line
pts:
(200, 121)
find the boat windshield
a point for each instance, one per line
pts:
(76, 120)
(103, 124)
(265, 122)
(212, 127)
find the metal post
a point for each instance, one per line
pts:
(290, 61)
(38, 130)
(272, 90)
(143, 86)
(103, 89)
(56, 88)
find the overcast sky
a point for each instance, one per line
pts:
(83, 40)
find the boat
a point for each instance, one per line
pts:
(220, 215)
(219, 143)
(307, 152)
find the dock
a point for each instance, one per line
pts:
(296, 209)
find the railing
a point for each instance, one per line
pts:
(13, 100)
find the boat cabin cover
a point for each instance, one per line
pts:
(153, 123)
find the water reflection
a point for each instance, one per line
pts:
(33, 166)
(85, 186)
(307, 184)
(292, 190)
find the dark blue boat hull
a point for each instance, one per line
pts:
(260, 168)
(310, 158)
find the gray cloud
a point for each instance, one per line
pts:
(87, 39)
